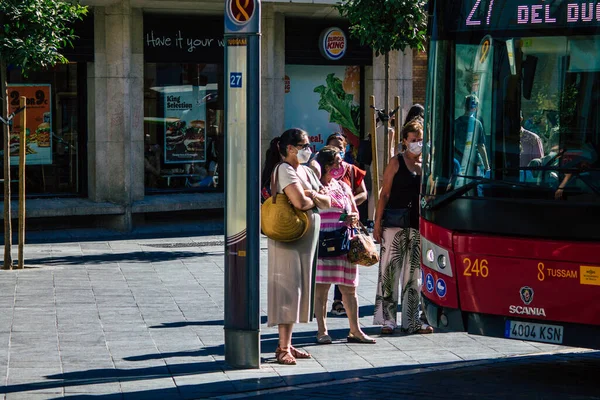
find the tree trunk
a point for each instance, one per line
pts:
(386, 108)
(6, 147)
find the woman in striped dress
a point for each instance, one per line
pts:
(337, 270)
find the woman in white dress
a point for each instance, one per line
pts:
(292, 265)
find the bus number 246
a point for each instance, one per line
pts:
(476, 268)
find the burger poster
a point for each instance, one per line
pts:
(323, 100)
(38, 124)
(185, 123)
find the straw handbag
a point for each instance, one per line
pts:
(362, 248)
(279, 219)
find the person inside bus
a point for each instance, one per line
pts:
(469, 141)
(588, 162)
(531, 146)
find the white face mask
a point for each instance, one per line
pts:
(304, 155)
(415, 147)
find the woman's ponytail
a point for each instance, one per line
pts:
(272, 158)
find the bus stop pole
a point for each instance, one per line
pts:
(242, 184)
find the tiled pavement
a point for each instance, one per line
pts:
(143, 319)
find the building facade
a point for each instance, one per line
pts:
(134, 124)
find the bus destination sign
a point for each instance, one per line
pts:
(523, 14)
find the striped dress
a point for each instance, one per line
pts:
(336, 270)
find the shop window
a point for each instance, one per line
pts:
(56, 130)
(183, 127)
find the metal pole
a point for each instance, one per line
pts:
(6, 147)
(242, 182)
(399, 123)
(374, 162)
(253, 195)
(22, 147)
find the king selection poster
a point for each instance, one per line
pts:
(38, 123)
(323, 100)
(185, 124)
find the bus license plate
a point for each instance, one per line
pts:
(534, 332)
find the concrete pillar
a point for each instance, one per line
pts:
(136, 105)
(115, 145)
(273, 75)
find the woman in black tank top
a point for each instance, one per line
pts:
(400, 261)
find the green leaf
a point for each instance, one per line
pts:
(338, 104)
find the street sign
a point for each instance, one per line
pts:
(235, 80)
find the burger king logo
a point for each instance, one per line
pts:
(333, 43)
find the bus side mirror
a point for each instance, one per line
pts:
(528, 66)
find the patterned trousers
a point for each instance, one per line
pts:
(399, 267)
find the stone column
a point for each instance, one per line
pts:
(273, 74)
(115, 104)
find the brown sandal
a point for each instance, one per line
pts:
(299, 353)
(425, 329)
(284, 357)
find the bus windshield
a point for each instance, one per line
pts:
(513, 112)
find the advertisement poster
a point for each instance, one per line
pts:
(185, 124)
(38, 137)
(323, 100)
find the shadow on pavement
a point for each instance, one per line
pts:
(557, 376)
(181, 324)
(268, 344)
(108, 258)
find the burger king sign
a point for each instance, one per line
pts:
(333, 43)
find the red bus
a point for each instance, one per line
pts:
(510, 207)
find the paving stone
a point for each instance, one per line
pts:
(148, 322)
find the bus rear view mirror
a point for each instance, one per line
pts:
(528, 65)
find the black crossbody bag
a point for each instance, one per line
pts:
(334, 243)
(397, 217)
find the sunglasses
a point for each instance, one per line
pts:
(303, 146)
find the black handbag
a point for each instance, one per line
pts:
(334, 243)
(396, 217)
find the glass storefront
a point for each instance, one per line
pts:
(183, 126)
(183, 103)
(55, 130)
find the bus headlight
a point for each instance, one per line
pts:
(441, 261)
(436, 257)
(430, 255)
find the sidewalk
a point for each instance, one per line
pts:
(143, 319)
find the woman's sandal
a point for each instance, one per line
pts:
(324, 339)
(425, 329)
(284, 357)
(387, 330)
(299, 353)
(360, 339)
(338, 309)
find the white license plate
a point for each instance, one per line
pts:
(534, 332)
